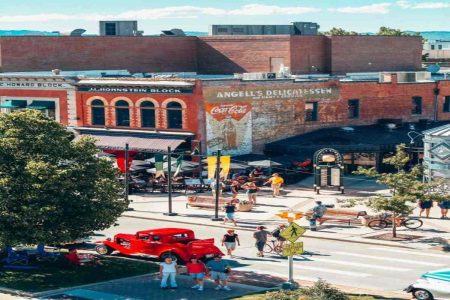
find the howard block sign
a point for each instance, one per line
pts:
(229, 127)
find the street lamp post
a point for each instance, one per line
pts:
(127, 148)
(217, 188)
(169, 181)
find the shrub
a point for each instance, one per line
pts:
(283, 295)
(322, 290)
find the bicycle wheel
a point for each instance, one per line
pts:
(267, 248)
(377, 224)
(412, 223)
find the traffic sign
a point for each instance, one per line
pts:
(293, 232)
(293, 249)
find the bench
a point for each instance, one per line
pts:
(206, 202)
(340, 215)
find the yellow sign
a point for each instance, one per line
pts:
(293, 232)
(293, 249)
(225, 162)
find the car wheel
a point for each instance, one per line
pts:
(421, 294)
(172, 255)
(104, 250)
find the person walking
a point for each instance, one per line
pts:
(276, 181)
(168, 270)
(229, 240)
(425, 206)
(220, 271)
(197, 270)
(444, 206)
(251, 191)
(317, 213)
(276, 234)
(230, 209)
(261, 239)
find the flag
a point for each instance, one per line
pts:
(225, 162)
(159, 165)
(212, 161)
(178, 165)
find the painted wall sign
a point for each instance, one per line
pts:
(250, 93)
(142, 90)
(229, 128)
(34, 85)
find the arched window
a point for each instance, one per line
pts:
(122, 113)
(174, 115)
(98, 112)
(148, 114)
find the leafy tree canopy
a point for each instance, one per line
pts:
(52, 189)
(339, 31)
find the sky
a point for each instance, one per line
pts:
(196, 15)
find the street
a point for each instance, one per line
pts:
(341, 263)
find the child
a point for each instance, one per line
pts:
(167, 271)
(197, 270)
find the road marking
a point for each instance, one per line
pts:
(356, 264)
(389, 259)
(284, 275)
(410, 252)
(326, 270)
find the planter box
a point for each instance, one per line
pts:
(245, 207)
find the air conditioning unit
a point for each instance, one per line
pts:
(271, 75)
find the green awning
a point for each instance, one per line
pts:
(13, 104)
(40, 105)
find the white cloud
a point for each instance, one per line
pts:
(403, 4)
(169, 12)
(378, 8)
(431, 5)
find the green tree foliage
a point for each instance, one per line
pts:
(52, 190)
(321, 290)
(395, 32)
(406, 187)
(339, 31)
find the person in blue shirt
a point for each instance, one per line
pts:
(219, 270)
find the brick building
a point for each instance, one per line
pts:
(212, 54)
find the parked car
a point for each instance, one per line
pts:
(431, 285)
(160, 243)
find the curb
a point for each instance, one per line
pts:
(247, 229)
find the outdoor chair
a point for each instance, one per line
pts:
(16, 258)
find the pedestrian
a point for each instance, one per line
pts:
(221, 187)
(235, 186)
(444, 206)
(425, 206)
(261, 239)
(230, 209)
(251, 191)
(229, 241)
(168, 270)
(276, 234)
(276, 181)
(317, 213)
(220, 271)
(197, 270)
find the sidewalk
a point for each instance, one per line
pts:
(299, 197)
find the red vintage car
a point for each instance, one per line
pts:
(160, 243)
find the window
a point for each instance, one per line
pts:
(174, 115)
(432, 47)
(238, 30)
(440, 47)
(416, 105)
(311, 111)
(222, 30)
(148, 114)
(122, 113)
(446, 104)
(353, 109)
(98, 112)
(110, 29)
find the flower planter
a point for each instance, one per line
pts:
(245, 207)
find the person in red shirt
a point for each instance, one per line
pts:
(198, 271)
(73, 257)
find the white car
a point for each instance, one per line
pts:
(431, 285)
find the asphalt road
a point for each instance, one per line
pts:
(343, 263)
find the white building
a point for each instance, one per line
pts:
(437, 49)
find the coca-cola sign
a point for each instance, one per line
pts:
(234, 110)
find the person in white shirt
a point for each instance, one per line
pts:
(168, 270)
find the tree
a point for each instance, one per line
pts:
(395, 32)
(52, 189)
(406, 187)
(339, 31)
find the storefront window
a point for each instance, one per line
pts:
(174, 115)
(148, 118)
(122, 113)
(98, 112)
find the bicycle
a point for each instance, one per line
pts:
(386, 220)
(273, 247)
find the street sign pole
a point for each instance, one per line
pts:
(290, 284)
(217, 189)
(169, 181)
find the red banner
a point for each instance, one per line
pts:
(120, 157)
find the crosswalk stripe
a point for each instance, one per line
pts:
(284, 275)
(410, 252)
(356, 264)
(398, 260)
(320, 269)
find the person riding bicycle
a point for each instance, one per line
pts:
(276, 234)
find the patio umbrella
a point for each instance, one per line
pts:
(141, 163)
(266, 163)
(234, 166)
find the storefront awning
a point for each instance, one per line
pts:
(136, 143)
(41, 105)
(14, 104)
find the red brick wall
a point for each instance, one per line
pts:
(444, 90)
(239, 54)
(375, 53)
(136, 54)
(309, 51)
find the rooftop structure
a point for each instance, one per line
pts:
(297, 28)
